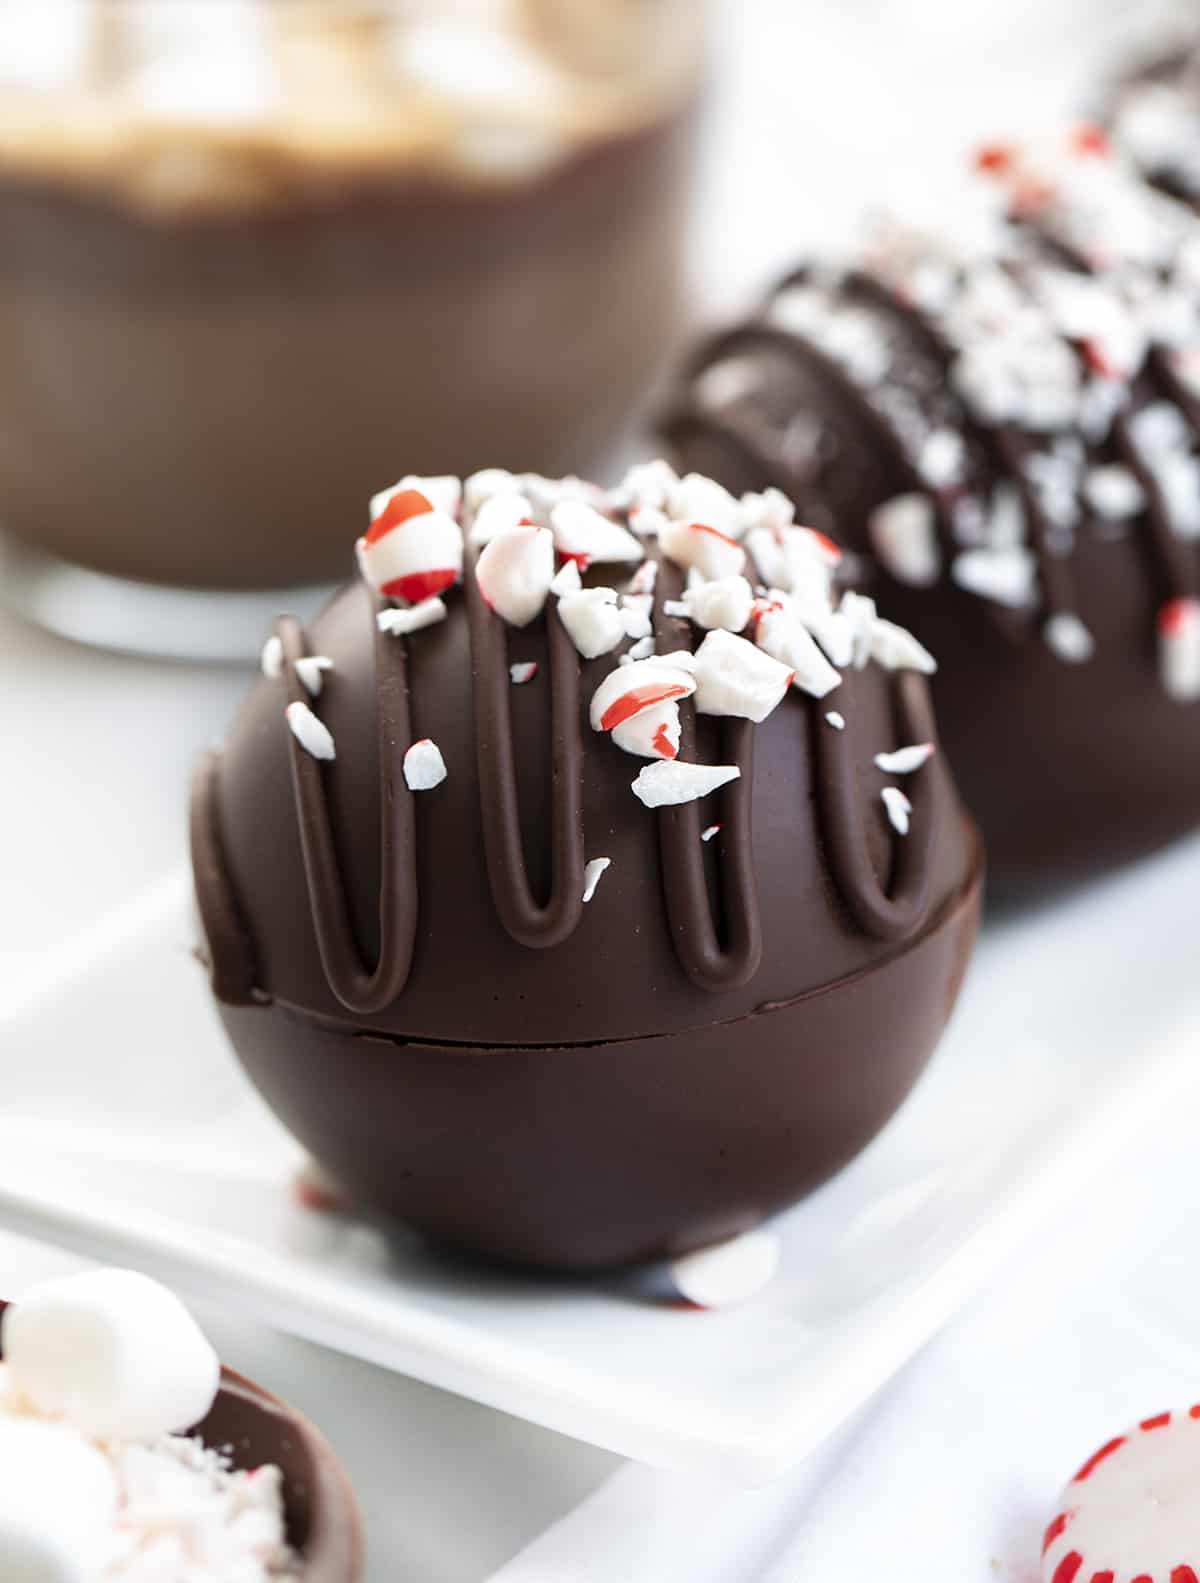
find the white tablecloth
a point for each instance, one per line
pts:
(949, 1475)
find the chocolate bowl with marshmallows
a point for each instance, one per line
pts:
(1002, 414)
(569, 898)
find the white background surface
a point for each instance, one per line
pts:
(821, 105)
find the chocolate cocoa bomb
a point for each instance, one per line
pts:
(322, 1514)
(419, 989)
(221, 319)
(1001, 422)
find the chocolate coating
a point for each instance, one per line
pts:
(543, 1081)
(323, 1525)
(1070, 768)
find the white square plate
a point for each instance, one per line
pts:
(129, 1134)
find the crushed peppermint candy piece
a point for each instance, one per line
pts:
(905, 760)
(727, 1273)
(514, 573)
(483, 485)
(593, 621)
(641, 650)
(272, 658)
(942, 459)
(699, 499)
(698, 544)
(836, 719)
(1179, 649)
(311, 671)
(897, 650)
(424, 766)
(566, 580)
(523, 671)
(781, 634)
(635, 620)
(861, 616)
(649, 484)
(647, 521)
(1129, 1514)
(312, 734)
(645, 579)
(725, 602)
(584, 535)
(652, 733)
(399, 622)
(904, 537)
(630, 688)
(1068, 638)
(898, 808)
(444, 493)
(500, 513)
(591, 875)
(712, 830)
(669, 783)
(771, 510)
(1007, 576)
(735, 677)
(678, 609)
(1113, 492)
(411, 550)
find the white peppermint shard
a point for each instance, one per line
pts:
(498, 514)
(733, 677)
(593, 620)
(779, 633)
(898, 808)
(725, 602)
(585, 534)
(566, 580)
(629, 689)
(483, 485)
(1068, 638)
(424, 766)
(1179, 649)
(591, 875)
(311, 671)
(514, 573)
(699, 499)
(652, 733)
(399, 622)
(312, 734)
(904, 761)
(904, 537)
(897, 650)
(443, 492)
(1006, 576)
(670, 782)
(703, 547)
(272, 658)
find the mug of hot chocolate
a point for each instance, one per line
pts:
(253, 250)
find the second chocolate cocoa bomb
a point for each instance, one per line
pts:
(553, 930)
(252, 252)
(1000, 418)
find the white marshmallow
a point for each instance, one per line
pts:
(904, 537)
(724, 603)
(652, 733)
(780, 634)
(735, 678)
(593, 621)
(706, 548)
(424, 766)
(728, 1272)
(443, 492)
(114, 1353)
(628, 689)
(58, 1504)
(514, 573)
(586, 535)
(670, 782)
(499, 513)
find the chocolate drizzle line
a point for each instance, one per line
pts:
(527, 921)
(709, 963)
(358, 988)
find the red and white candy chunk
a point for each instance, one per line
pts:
(1179, 648)
(1132, 1512)
(412, 550)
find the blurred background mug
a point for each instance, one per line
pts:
(259, 257)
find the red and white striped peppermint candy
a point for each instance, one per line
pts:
(1132, 1512)
(1179, 648)
(411, 550)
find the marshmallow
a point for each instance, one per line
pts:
(696, 544)
(424, 766)
(114, 1353)
(584, 534)
(652, 733)
(313, 735)
(400, 622)
(669, 782)
(500, 513)
(1179, 649)
(514, 573)
(904, 538)
(58, 1504)
(699, 499)
(593, 621)
(779, 633)
(444, 493)
(1130, 1511)
(626, 691)
(735, 678)
(728, 1272)
(411, 550)
(724, 603)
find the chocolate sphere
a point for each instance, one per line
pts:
(1001, 421)
(420, 987)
